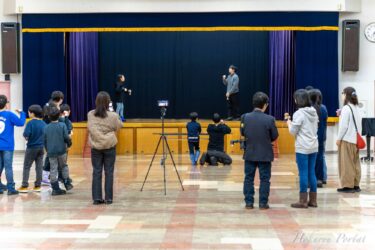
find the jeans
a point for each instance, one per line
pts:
(33, 155)
(319, 167)
(264, 176)
(103, 159)
(55, 164)
(324, 168)
(6, 162)
(120, 109)
(306, 169)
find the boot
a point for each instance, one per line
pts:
(56, 189)
(2, 186)
(68, 185)
(302, 201)
(192, 159)
(312, 199)
(196, 157)
(11, 189)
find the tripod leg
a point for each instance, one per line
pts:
(174, 165)
(153, 158)
(164, 140)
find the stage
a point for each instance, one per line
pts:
(140, 136)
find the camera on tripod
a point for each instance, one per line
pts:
(163, 104)
(242, 143)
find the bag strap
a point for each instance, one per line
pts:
(355, 124)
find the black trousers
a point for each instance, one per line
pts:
(103, 159)
(217, 156)
(234, 105)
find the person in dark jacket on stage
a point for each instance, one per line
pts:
(215, 150)
(122, 91)
(259, 130)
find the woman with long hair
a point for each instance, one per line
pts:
(349, 162)
(103, 126)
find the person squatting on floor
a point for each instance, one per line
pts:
(215, 150)
(259, 130)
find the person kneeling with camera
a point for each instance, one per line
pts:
(259, 130)
(215, 150)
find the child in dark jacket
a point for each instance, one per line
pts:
(8, 120)
(34, 135)
(56, 141)
(64, 118)
(194, 130)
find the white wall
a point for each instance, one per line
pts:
(100, 6)
(16, 84)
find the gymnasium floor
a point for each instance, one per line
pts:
(209, 214)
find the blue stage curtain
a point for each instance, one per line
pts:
(184, 67)
(282, 73)
(317, 65)
(83, 66)
(43, 67)
(110, 20)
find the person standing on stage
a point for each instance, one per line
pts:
(232, 82)
(121, 92)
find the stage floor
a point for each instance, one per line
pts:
(209, 214)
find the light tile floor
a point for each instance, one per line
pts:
(209, 214)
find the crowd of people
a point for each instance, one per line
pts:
(48, 134)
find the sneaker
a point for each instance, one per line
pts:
(58, 192)
(13, 192)
(108, 202)
(23, 190)
(325, 182)
(68, 186)
(3, 187)
(319, 184)
(46, 182)
(264, 206)
(249, 206)
(357, 189)
(37, 189)
(346, 190)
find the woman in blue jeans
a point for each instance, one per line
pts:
(304, 128)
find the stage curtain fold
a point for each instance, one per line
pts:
(82, 73)
(317, 65)
(282, 73)
(43, 67)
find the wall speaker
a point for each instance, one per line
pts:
(350, 45)
(10, 48)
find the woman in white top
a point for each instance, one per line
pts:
(349, 163)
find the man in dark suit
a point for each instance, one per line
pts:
(259, 130)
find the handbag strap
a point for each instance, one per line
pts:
(355, 124)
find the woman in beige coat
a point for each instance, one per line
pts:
(102, 126)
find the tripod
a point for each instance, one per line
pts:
(165, 150)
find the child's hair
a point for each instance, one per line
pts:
(216, 118)
(36, 110)
(301, 96)
(64, 107)
(57, 96)
(350, 96)
(193, 116)
(309, 87)
(260, 99)
(315, 97)
(3, 101)
(54, 114)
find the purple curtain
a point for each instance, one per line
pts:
(282, 73)
(82, 55)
